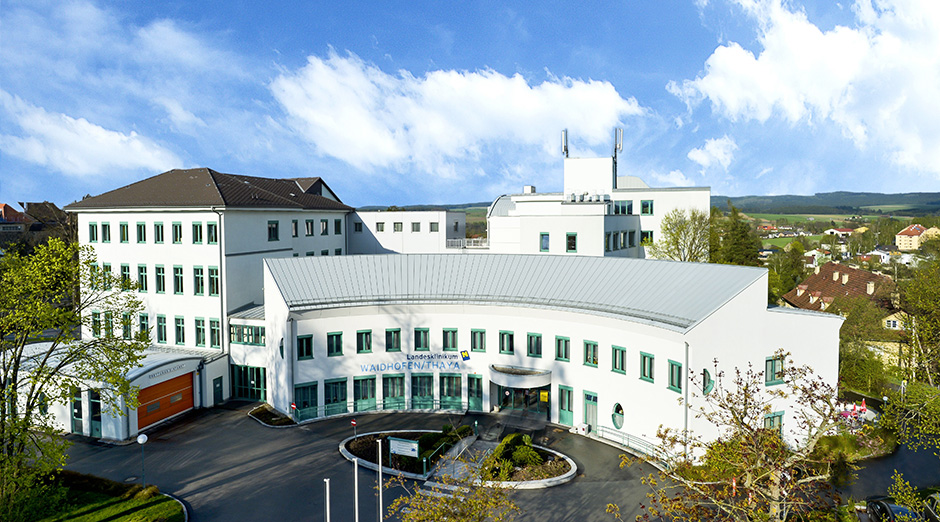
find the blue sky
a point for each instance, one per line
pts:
(407, 102)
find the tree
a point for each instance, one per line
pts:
(739, 244)
(474, 494)
(920, 299)
(787, 269)
(914, 415)
(861, 368)
(44, 357)
(752, 471)
(683, 236)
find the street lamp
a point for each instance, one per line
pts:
(142, 439)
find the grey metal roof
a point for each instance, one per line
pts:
(248, 312)
(667, 294)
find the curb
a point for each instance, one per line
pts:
(180, 502)
(266, 425)
(375, 467)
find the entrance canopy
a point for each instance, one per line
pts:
(518, 377)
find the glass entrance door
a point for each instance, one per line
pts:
(94, 403)
(590, 410)
(393, 392)
(364, 393)
(475, 392)
(565, 406)
(217, 391)
(78, 425)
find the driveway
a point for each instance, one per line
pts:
(225, 466)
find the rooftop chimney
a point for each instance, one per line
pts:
(845, 278)
(870, 287)
(835, 276)
(528, 189)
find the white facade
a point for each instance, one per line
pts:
(404, 231)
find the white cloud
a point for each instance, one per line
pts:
(77, 147)
(879, 81)
(674, 178)
(353, 111)
(718, 151)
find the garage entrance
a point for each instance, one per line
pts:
(165, 399)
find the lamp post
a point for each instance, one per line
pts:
(141, 440)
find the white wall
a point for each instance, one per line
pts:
(407, 241)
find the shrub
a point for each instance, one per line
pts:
(147, 493)
(526, 456)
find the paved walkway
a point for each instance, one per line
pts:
(226, 466)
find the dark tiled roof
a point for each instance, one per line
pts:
(824, 288)
(206, 188)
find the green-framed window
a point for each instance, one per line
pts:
(646, 366)
(451, 391)
(422, 391)
(543, 241)
(393, 339)
(125, 276)
(273, 233)
(334, 344)
(304, 347)
(200, 331)
(506, 343)
(422, 340)
(197, 232)
(434, 226)
(199, 281)
(158, 232)
(774, 421)
(338, 252)
(324, 227)
(96, 324)
(180, 330)
(773, 370)
(109, 324)
(215, 333)
(212, 233)
(562, 348)
(619, 359)
(675, 376)
(105, 232)
(308, 227)
(415, 226)
(478, 340)
(294, 228)
(143, 323)
(124, 232)
(177, 230)
(161, 329)
(364, 393)
(325, 252)
(397, 226)
(646, 207)
(708, 384)
(534, 344)
(305, 398)
(126, 326)
(338, 227)
(646, 237)
(334, 396)
(177, 279)
(92, 232)
(571, 242)
(450, 339)
(590, 353)
(141, 232)
(364, 341)
(213, 280)
(160, 278)
(247, 334)
(393, 391)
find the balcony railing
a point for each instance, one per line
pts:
(468, 242)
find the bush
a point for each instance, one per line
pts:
(526, 456)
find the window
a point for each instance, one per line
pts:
(364, 341)
(308, 227)
(108, 324)
(213, 280)
(450, 339)
(562, 348)
(632, 241)
(572, 242)
(177, 279)
(590, 353)
(161, 279)
(338, 227)
(310, 254)
(506, 342)
(143, 324)
(675, 376)
(397, 226)
(774, 421)
(106, 275)
(96, 324)
(199, 282)
(393, 391)
(338, 252)
(324, 227)
(422, 391)
(450, 392)
(124, 233)
(456, 226)
(422, 340)
(708, 384)
(623, 208)
(125, 277)
(607, 243)
(177, 233)
(304, 347)
(543, 242)
(617, 416)
(646, 237)
(180, 330)
(212, 233)
(158, 232)
(324, 252)
(247, 334)
(379, 226)
(105, 233)
(334, 344)
(357, 226)
(334, 396)
(393, 340)
(200, 331)
(646, 207)
(141, 232)
(478, 340)
(619, 356)
(161, 329)
(434, 226)
(215, 333)
(294, 229)
(891, 323)
(93, 232)
(273, 233)
(534, 345)
(773, 370)
(197, 233)
(415, 226)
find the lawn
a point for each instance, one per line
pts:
(780, 242)
(94, 499)
(799, 218)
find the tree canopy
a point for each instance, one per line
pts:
(44, 356)
(683, 236)
(739, 243)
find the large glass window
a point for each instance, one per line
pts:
(304, 347)
(248, 382)
(422, 340)
(334, 396)
(562, 349)
(450, 339)
(675, 376)
(393, 340)
(364, 393)
(422, 391)
(450, 392)
(364, 341)
(590, 353)
(534, 345)
(334, 344)
(393, 392)
(305, 398)
(506, 343)
(478, 340)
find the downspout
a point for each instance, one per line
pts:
(223, 319)
(291, 331)
(685, 393)
(202, 377)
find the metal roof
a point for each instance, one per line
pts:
(667, 294)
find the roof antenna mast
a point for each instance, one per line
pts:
(618, 147)
(564, 142)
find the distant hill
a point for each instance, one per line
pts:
(909, 204)
(458, 206)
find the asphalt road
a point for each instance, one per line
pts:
(225, 466)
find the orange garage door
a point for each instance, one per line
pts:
(165, 399)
